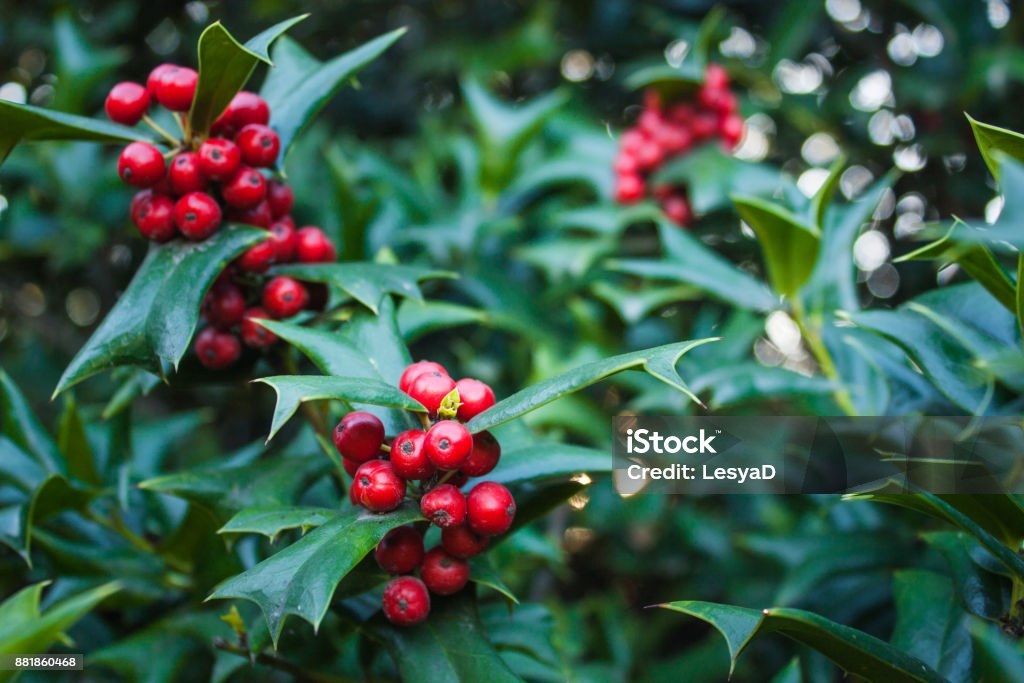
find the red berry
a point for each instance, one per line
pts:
(259, 144)
(155, 75)
(258, 337)
(127, 103)
(490, 509)
(283, 297)
(245, 108)
(631, 141)
(400, 551)
(677, 209)
(406, 601)
(704, 125)
(443, 573)
(245, 189)
(430, 389)
(408, 458)
(224, 305)
(681, 114)
(153, 215)
(141, 165)
(625, 164)
(313, 246)
(629, 189)
(197, 215)
(650, 122)
(413, 371)
(731, 130)
(359, 436)
(281, 198)
(282, 235)
(258, 257)
(484, 456)
(175, 88)
(649, 156)
(715, 76)
(379, 488)
(217, 350)
(461, 541)
(184, 175)
(219, 159)
(475, 396)
(448, 444)
(258, 215)
(444, 505)
(674, 139)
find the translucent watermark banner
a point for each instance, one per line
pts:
(758, 454)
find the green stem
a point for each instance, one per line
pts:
(812, 335)
(173, 141)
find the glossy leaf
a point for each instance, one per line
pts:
(930, 624)
(73, 443)
(450, 647)
(854, 651)
(293, 390)
(26, 123)
(157, 314)
(311, 84)
(980, 592)
(225, 66)
(483, 573)
(541, 460)
(301, 579)
(659, 362)
(790, 245)
(992, 140)
(689, 261)
(999, 658)
(366, 282)
(271, 521)
(19, 424)
(331, 352)
(226, 491)
(24, 629)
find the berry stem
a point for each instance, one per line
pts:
(173, 141)
(446, 477)
(424, 420)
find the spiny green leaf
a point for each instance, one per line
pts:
(293, 390)
(854, 651)
(225, 66)
(157, 314)
(366, 282)
(301, 579)
(331, 352)
(543, 460)
(659, 362)
(271, 521)
(19, 424)
(992, 139)
(25, 123)
(292, 108)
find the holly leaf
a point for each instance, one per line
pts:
(992, 140)
(154, 320)
(659, 362)
(225, 66)
(271, 521)
(26, 123)
(367, 283)
(853, 651)
(521, 464)
(309, 83)
(790, 245)
(330, 352)
(293, 390)
(301, 579)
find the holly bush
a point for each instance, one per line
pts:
(309, 343)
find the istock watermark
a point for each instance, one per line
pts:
(758, 454)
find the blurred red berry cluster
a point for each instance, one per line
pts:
(224, 176)
(440, 459)
(667, 130)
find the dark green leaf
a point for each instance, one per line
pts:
(790, 245)
(980, 592)
(992, 139)
(659, 362)
(366, 282)
(271, 482)
(25, 123)
(711, 176)
(310, 87)
(999, 658)
(225, 66)
(483, 573)
(73, 443)
(331, 352)
(292, 390)
(271, 521)
(854, 651)
(930, 624)
(543, 460)
(20, 425)
(450, 647)
(157, 314)
(301, 579)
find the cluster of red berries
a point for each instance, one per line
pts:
(441, 459)
(664, 132)
(212, 179)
